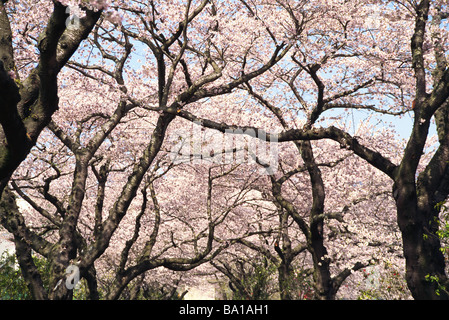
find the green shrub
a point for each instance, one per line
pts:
(12, 284)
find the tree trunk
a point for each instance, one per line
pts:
(321, 274)
(418, 222)
(29, 270)
(285, 280)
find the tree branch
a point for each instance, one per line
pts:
(346, 140)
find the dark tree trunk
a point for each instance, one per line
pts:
(27, 108)
(418, 222)
(284, 281)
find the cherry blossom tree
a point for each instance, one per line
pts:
(176, 40)
(345, 241)
(110, 81)
(387, 57)
(35, 46)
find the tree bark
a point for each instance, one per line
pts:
(27, 108)
(418, 222)
(285, 273)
